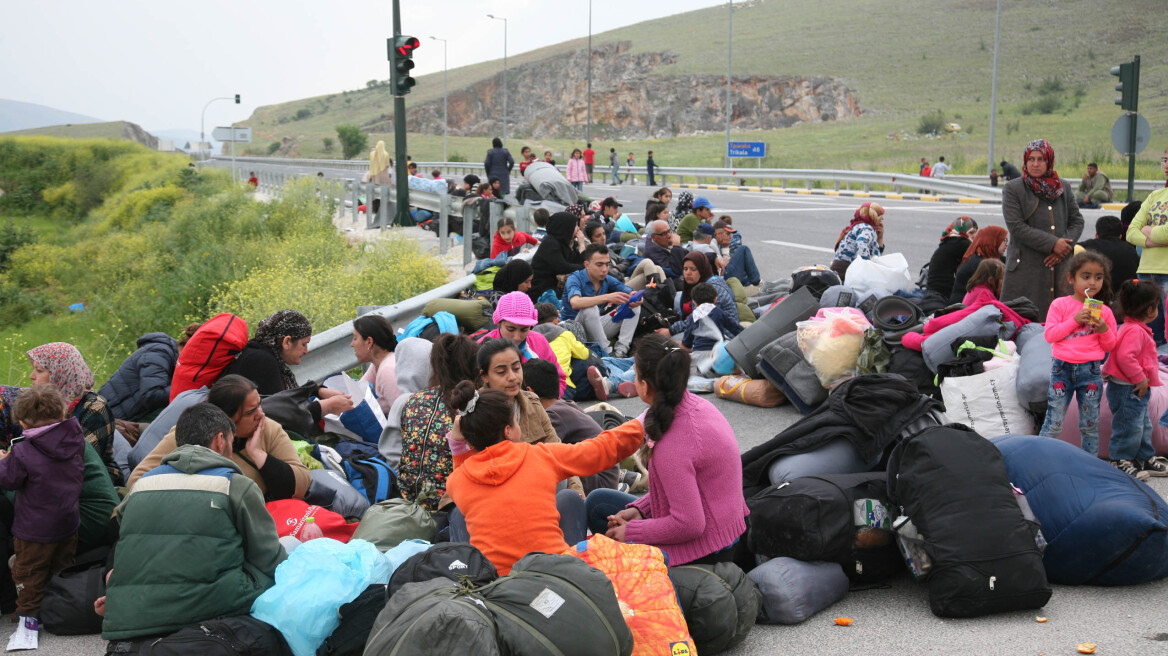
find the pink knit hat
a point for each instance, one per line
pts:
(517, 308)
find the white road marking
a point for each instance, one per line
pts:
(818, 249)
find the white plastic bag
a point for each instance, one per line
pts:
(881, 272)
(831, 342)
(988, 402)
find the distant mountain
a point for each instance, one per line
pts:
(16, 115)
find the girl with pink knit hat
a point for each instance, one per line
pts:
(515, 315)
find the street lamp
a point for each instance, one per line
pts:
(588, 128)
(994, 90)
(729, 70)
(445, 107)
(203, 120)
(494, 17)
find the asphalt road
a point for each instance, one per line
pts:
(896, 619)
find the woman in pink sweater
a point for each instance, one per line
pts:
(695, 511)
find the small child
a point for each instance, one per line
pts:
(707, 327)
(1080, 339)
(540, 217)
(989, 276)
(572, 355)
(508, 240)
(45, 468)
(1130, 371)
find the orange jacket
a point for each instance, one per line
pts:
(507, 491)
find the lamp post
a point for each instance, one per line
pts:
(445, 107)
(203, 120)
(494, 17)
(588, 128)
(994, 91)
(729, 70)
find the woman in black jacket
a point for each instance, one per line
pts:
(560, 253)
(948, 256)
(142, 384)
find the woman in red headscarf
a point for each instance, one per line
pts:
(862, 239)
(1044, 223)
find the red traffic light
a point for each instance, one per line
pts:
(406, 45)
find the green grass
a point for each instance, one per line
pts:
(110, 130)
(903, 60)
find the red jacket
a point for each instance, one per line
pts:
(511, 247)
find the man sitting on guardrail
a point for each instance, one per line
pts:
(1094, 189)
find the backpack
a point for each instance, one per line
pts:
(720, 604)
(389, 523)
(815, 518)
(357, 618)
(331, 490)
(67, 608)
(454, 561)
(372, 476)
(953, 486)
(208, 352)
(227, 636)
(429, 328)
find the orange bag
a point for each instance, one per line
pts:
(290, 516)
(750, 391)
(645, 592)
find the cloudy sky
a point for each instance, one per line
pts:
(157, 63)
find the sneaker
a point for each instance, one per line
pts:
(26, 635)
(1130, 468)
(627, 389)
(630, 478)
(1156, 466)
(623, 487)
(599, 383)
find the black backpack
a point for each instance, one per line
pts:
(67, 608)
(813, 518)
(952, 483)
(357, 617)
(228, 636)
(450, 560)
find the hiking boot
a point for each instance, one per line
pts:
(627, 389)
(599, 383)
(1128, 467)
(1156, 466)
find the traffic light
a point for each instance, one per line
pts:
(401, 55)
(1129, 84)
(237, 99)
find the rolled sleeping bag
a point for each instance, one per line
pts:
(1034, 368)
(839, 296)
(986, 321)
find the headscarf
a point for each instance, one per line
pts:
(1048, 187)
(511, 275)
(959, 228)
(577, 210)
(684, 206)
(705, 272)
(67, 369)
(271, 333)
(986, 243)
(378, 159)
(865, 213)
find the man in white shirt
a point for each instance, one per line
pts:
(941, 168)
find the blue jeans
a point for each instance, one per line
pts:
(616, 179)
(578, 185)
(742, 267)
(620, 370)
(573, 521)
(1085, 382)
(1131, 427)
(1157, 325)
(603, 502)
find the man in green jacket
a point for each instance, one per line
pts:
(703, 211)
(1094, 189)
(196, 541)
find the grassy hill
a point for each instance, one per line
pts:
(902, 59)
(108, 130)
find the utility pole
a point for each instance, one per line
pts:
(994, 91)
(445, 106)
(588, 128)
(729, 71)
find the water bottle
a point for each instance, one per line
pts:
(310, 531)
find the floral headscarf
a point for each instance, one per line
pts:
(577, 210)
(272, 331)
(959, 228)
(1049, 186)
(684, 206)
(863, 214)
(67, 369)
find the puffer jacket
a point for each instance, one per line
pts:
(142, 384)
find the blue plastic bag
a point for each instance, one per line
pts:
(316, 580)
(402, 552)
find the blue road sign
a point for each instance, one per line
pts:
(746, 149)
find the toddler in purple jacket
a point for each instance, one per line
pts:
(45, 467)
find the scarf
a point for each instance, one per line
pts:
(67, 369)
(863, 214)
(271, 333)
(511, 276)
(1048, 187)
(959, 228)
(684, 206)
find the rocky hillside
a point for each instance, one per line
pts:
(548, 99)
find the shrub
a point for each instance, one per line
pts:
(931, 123)
(302, 114)
(1042, 105)
(353, 140)
(273, 147)
(328, 144)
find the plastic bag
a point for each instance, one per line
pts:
(988, 402)
(881, 272)
(831, 342)
(317, 579)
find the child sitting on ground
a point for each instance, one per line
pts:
(707, 327)
(577, 362)
(987, 278)
(45, 467)
(509, 240)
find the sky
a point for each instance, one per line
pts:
(158, 63)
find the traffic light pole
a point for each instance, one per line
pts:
(400, 173)
(1131, 156)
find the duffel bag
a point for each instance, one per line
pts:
(434, 618)
(451, 560)
(1034, 369)
(67, 608)
(744, 389)
(819, 518)
(782, 363)
(357, 617)
(953, 486)
(720, 603)
(329, 489)
(388, 523)
(793, 590)
(226, 636)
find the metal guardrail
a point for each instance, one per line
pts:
(1118, 185)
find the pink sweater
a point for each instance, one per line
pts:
(1072, 342)
(695, 504)
(384, 382)
(540, 347)
(1134, 358)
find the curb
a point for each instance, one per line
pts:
(848, 194)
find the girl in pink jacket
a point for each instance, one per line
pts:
(577, 172)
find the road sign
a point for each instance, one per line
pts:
(1121, 133)
(746, 149)
(242, 135)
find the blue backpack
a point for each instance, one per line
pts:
(373, 477)
(442, 322)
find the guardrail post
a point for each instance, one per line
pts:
(355, 185)
(837, 185)
(496, 213)
(468, 213)
(896, 189)
(443, 218)
(369, 205)
(867, 187)
(383, 211)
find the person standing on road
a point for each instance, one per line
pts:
(862, 239)
(614, 165)
(926, 172)
(577, 171)
(589, 159)
(629, 171)
(1148, 230)
(941, 168)
(498, 164)
(650, 165)
(1044, 223)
